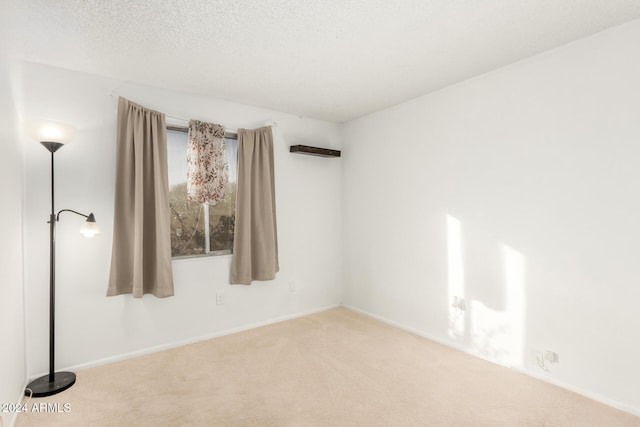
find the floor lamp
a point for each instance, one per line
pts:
(56, 382)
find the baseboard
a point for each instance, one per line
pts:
(175, 344)
(588, 394)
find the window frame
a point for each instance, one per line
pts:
(228, 134)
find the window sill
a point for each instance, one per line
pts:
(213, 254)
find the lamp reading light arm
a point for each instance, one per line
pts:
(89, 228)
(75, 212)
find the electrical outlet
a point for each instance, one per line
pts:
(292, 286)
(219, 298)
(551, 357)
(542, 358)
(458, 302)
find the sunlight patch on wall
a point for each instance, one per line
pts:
(455, 273)
(499, 335)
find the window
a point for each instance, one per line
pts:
(199, 229)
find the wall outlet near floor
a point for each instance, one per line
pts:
(551, 357)
(292, 286)
(219, 298)
(458, 302)
(543, 358)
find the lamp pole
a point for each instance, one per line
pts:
(54, 382)
(52, 277)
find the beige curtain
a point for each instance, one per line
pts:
(141, 252)
(255, 245)
(207, 168)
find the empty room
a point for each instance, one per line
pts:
(320, 213)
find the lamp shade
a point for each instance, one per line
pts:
(90, 227)
(50, 131)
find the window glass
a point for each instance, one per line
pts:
(194, 225)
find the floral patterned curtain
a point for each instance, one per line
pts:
(207, 168)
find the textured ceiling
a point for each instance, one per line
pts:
(328, 59)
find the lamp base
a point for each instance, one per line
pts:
(42, 387)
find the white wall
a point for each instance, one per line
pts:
(12, 334)
(518, 190)
(90, 326)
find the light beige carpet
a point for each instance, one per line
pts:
(336, 368)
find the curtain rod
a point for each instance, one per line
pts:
(228, 133)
